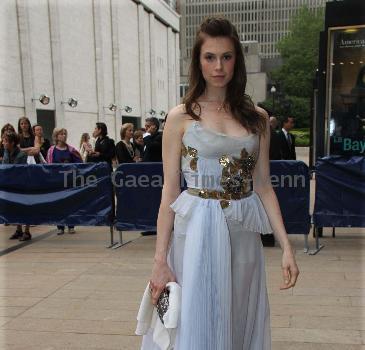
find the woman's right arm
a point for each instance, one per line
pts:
(171, 153)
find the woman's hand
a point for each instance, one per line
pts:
(33, 151)
(290, 268)
(161, 275)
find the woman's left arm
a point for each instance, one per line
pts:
(263, 187)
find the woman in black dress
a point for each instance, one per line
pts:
(26, 136)
(125, 150)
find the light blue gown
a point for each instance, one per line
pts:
(215, 249)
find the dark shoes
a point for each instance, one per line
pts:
(60, 231)
(16, 235)
(148, 233)
(268, 240)
(25, 237)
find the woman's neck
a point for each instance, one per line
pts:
(25, 133)
(126, 140)
(61, 144)
(214, 94)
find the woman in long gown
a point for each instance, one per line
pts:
(208, 237)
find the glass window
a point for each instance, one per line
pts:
(345, 114)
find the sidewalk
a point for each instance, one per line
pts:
(70, 292)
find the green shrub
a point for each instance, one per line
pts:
(302, 137)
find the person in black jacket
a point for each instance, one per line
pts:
(14, 155)
(104, 150)
(42, 143)
(4, 129)
(153, 148)
(125, 150)
(287, 140)
(152, 141)
(275, 150)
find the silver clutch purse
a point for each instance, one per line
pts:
(163, 304)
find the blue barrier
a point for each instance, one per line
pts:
(291, 183)
(81, 194)
(138, 191)
(340, 192)
(137, 206)
(64, 194)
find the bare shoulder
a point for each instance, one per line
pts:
(177, 119)
(262, 112)
(176, 113)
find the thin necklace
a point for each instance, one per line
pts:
(220, 107)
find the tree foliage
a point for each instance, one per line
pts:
(298, 107)
(299, 51)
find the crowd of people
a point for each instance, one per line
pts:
(28, 145)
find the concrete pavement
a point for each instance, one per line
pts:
(70, 292)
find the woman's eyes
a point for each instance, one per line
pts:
(226, 57)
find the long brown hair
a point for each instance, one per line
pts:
(7, 127)
(20, 131)
(239, 103)
(84, 138)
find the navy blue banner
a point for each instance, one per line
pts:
(290, 180)
(340, 192)
(139, 186)
(64, 194)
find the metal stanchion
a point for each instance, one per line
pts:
(112, 244)
(306, 247)
(318, 245)
(120, 244)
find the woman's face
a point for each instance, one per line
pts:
(62, 137)
(7, 145)
(38, 131)
(217, 59)
(24, 125)
(139, 140)
(129, 133)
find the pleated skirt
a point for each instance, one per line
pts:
(249, 325)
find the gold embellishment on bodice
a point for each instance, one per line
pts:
(237, 172)
(235, 178)
(193, 154)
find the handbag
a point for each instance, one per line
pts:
(163, 304)
(163, 319)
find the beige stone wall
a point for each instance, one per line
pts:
(97, 51)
